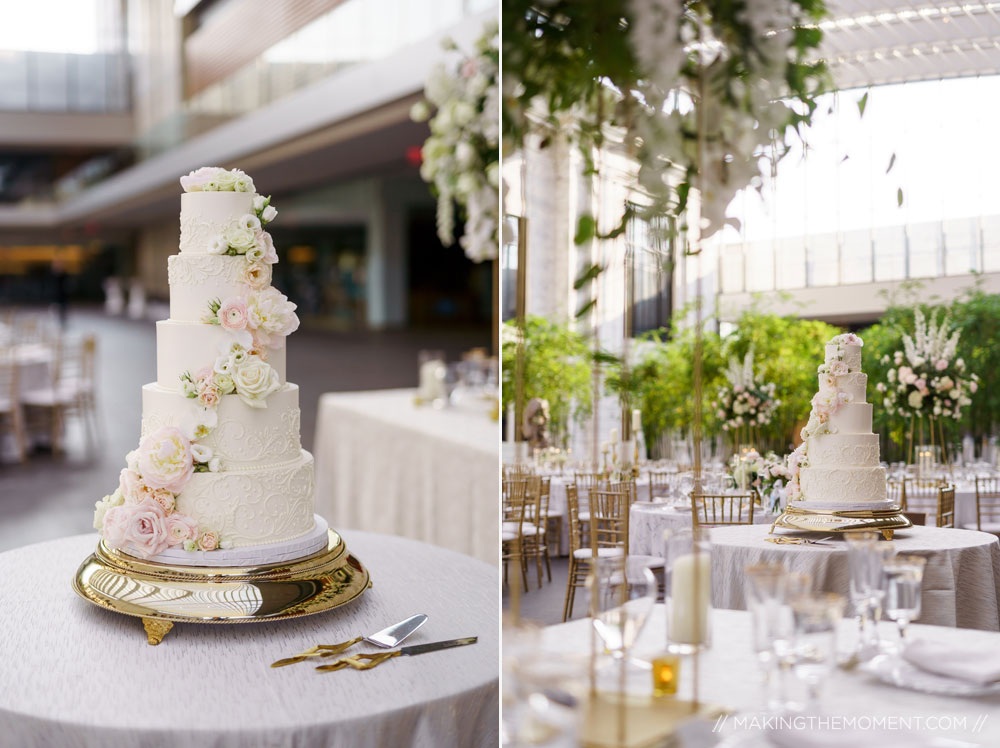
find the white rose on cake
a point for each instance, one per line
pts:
(255, 380)
(241, 239)
(223, 181)
(199, 179)
(271, 317)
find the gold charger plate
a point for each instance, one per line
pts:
(161, 594)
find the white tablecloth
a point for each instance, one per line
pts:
(961, 580)
(646, 523)
(383, 464)
(77, 675)
(730, 677)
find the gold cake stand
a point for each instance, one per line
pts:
(161, 594)
(885, 521)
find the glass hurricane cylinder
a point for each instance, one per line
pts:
(688, 590)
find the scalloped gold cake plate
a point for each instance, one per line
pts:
(885, 521)
(161, 594)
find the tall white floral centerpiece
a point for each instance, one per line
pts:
(745, 404)
(927, 379)
(461, 158)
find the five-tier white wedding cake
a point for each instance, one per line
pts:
(220, 476)
(837, 464)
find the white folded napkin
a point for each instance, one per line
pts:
(977, 665)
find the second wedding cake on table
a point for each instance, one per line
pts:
(219, 477)
(837, 465)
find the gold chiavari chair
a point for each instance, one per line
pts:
(533, 528)
(720, 510)
(519, 470)
(11, 414)
(515, 496)
(946, 506)
(920, 497)
(585, 483)
(987, 505)
(609, 521)
(661, 483)
(894, 492)
(578, 567)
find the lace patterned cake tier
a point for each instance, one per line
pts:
(204, 215)
(197, 279)
(245, 438)
(842, 483)
(253, 507)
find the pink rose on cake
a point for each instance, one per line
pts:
(116, 523)
(208, 541)
(165, 499)
(199, 179)
(257, 275)
(147, 529)
(208, 393)
(181, 528)
(165, 459)
(233, 313)
(271, 318)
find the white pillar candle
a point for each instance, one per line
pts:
(614, 436)
(690, 593)
(637, 420)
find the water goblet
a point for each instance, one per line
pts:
(903, 577)
(815, 650)
(765, 591)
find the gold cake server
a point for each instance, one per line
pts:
(387, 638)
(368, 661)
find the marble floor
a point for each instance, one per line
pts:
(53, 496)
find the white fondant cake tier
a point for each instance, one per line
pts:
(847, 450)
(846, 506)
(253, 507)
(842, 483)
(253, 555)
(188, 346)
(851, 355)
(245, 438)
(852, 418)
(197, 279)
(855, 384)
(204, 215)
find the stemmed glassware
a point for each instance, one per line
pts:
(865, 557)
(765, 591)
(903, 577)
(622, 593)
(816, 618)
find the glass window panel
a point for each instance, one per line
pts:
(760, 266)
(961, 246)
(790, 269)
(822, 253)
(49, 77)
(731, 268)
(855, 257)
(991, 244)
(13, 80)
(889, 248)
(924, 240)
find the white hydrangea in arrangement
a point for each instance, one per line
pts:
(461, 158)
(926, 378)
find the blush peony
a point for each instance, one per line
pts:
(147, 529)
(165, 459)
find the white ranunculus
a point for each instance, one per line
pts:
(249, 221)
(269, 214)
(255, 380)
(201, 453)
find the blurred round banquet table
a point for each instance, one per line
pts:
(729, 677)
(387, 465)
(647, 522)
(78, 675)
(961, 584)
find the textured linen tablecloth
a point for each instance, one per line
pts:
(647, 522)
(77, 675)
(383, 464)
(961, 579)
(729, 677)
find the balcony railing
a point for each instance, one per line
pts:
(62, 82)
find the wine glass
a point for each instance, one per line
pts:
(622, 593)
(865, 569)
(765, 592)
(815, 651)
(903, 576)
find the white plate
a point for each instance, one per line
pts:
(894, 670)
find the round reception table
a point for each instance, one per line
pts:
(647, 522)
(77, 675)
(961, 579)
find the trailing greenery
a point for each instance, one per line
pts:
(557, 368)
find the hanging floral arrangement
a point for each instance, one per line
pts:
(461, 158)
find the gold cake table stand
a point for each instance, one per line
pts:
(885, 521)
(161, 594)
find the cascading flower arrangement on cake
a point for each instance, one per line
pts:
(745, 404)
(461, 158)
(926, 378)
(219, 464)
(838, 460)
